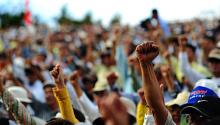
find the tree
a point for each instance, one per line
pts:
(116, 19)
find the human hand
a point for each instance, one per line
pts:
(111, 78)
(57, 75)
(74, 78)
(114, 111)
(147, 51)
(141, 95)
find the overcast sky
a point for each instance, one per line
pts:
(131, 11)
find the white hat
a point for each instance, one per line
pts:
(19, 93)
(131, 107)
(208, 83)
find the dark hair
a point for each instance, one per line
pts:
(58, 121)
(48, 85)
(28, 71)
(209, 38)
(99, 121)
(4, 121)
(89, 78)
(154, 11)
(3, 56)
(193, 48)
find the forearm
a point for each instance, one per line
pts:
(90, 109)
(78, 90)
(152, 93)
(150, 84)
(65, 105)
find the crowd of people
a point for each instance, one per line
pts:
(151, 74)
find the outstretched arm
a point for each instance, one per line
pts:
(62, 95)
(90, 109)
(146, 52)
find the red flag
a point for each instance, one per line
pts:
(27, 14)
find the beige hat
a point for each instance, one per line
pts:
(131, 107)
(19, 93)
(215, 54)
(100, 86)
(181, 99)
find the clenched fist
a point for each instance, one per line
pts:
(74, 78)
(58, 76)
(147, 51)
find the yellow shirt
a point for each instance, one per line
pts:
(140, 113)
(65, 105)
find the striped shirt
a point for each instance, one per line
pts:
(17, 109)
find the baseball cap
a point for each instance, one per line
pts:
(197, 93)
(208, 106)
(208, 83)
(214, 54)
(179, 100)
(19, 93)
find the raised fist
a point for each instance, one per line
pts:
(74, 78)
(147, 51)
(141, 95)
(58, 76)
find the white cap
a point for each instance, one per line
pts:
(19, 93)
(208, 83)
(131, 107)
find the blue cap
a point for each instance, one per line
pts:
(199, 92)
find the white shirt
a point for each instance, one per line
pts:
(149, 120)
(185, 67)
(91, 110)
(37, 90)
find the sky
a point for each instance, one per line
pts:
(130, 11)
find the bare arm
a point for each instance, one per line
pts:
(146, 52)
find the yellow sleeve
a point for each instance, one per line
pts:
(140, 113)
(65, 105)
